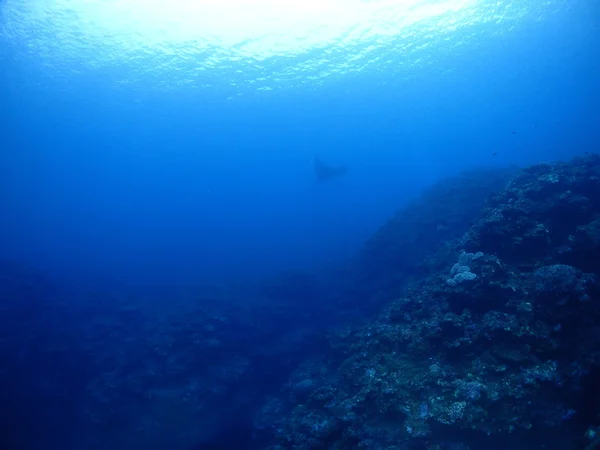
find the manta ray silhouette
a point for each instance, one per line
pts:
(326, 172)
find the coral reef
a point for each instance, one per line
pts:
(502, 340)
(479, 328)
(417, 240)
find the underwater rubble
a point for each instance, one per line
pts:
(497, 345)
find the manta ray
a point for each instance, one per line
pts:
(326, 172)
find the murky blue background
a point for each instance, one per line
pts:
(165, 142)
(155, 143)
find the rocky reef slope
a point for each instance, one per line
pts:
(416, 241)
(500, 339)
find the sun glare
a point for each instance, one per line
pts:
(254, 26)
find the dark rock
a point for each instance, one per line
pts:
(498, 333)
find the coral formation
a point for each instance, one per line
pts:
(484, 332)
(503, 339)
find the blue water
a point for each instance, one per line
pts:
(149, 144)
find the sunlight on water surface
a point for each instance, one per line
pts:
(258, 40)
(261, 28)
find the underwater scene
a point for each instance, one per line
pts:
(299, 225)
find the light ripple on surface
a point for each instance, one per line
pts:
(262, 44)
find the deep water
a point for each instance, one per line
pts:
(218, 217)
